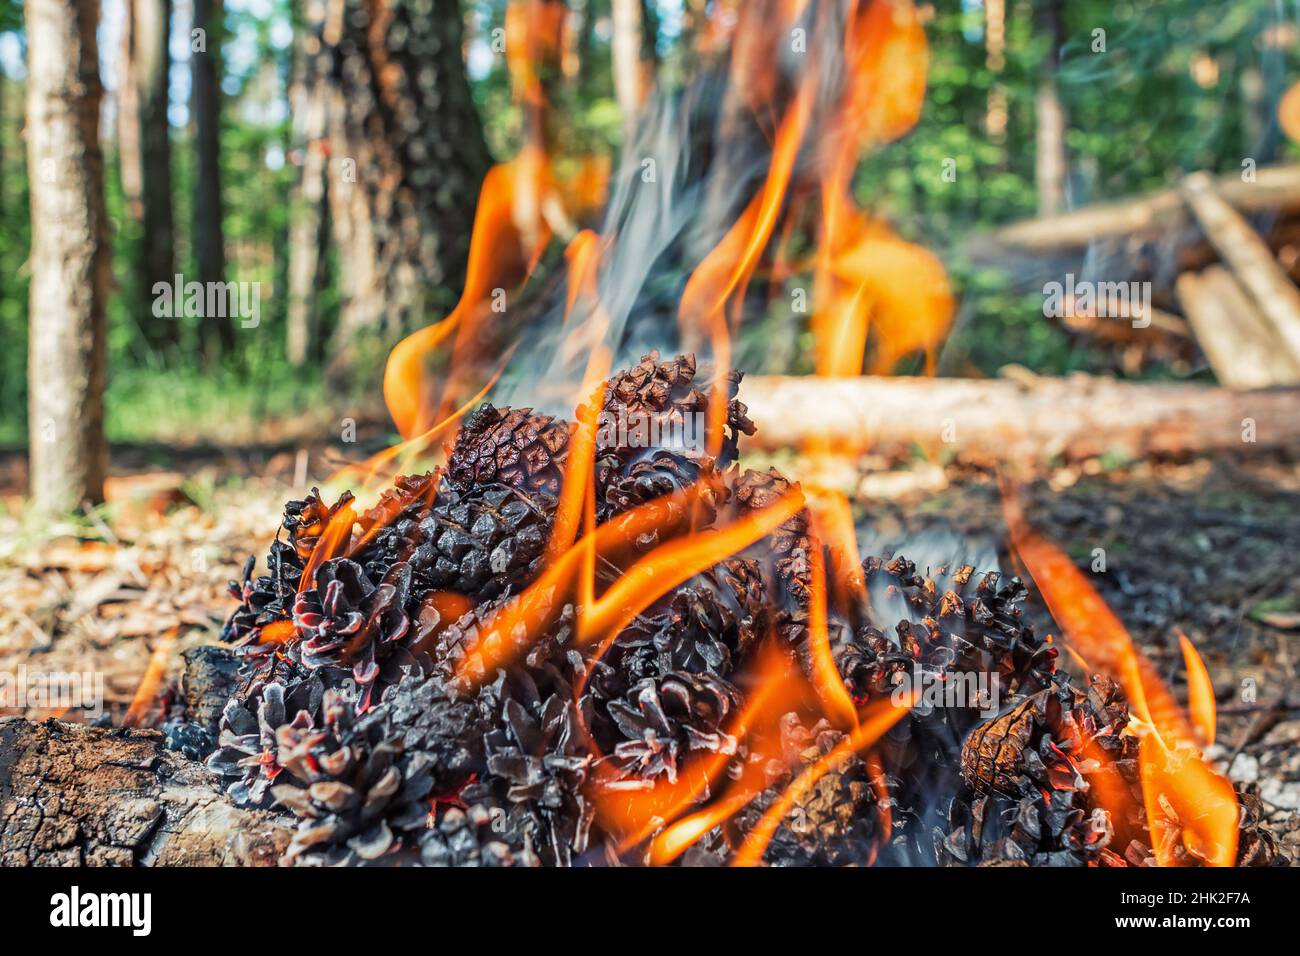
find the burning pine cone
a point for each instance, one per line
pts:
(484, 542)
(510, 446)
(367, 787)
(653, 434)
(373, 707)
(836, 822)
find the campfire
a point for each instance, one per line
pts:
(685, 661)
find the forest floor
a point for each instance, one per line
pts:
(1205, 546)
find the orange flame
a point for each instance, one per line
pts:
(876, 721)
(146, 694)
(1200, 691)
(1184, 798)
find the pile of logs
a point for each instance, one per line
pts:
(1214, 277)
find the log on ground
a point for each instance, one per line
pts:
(1074, 418)
(74, 795)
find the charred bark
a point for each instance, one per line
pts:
(74, 795)
(69, 258)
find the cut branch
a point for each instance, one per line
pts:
(77, 795)
(1250, 258)
(1243, 349)
(1076, 417)
(1275, 188)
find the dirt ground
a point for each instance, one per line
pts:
(1205, 546)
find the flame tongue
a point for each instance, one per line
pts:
(1191, 810)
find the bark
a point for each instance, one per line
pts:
(1250, 258)
(407, 158)
(1050, 161)
(69, 259)
(309, 222)
(72, 795)
(218, 331)
(1275, 189)
(1241, 346)
(150, 64)
(1075, 418)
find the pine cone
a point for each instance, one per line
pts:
(306, 520)
(364, 786)
(964, 629)
(537, 765)
(660, 720)
(390, 531)
(704, 626)
(346, 622)
(1033, 786)
(835, 823)
(784, 552)
(270, 597)
(484, 542)
(247, 753)
(1256, 846)
(652, 436)
(480, 835)
(509, 446)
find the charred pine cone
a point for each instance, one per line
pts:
(367, 787)
(485, 542)
(835, 822)
(514, 447)
(247, 754)
(963, 630)
(705, 626)
(537, 768)
(652, 728)
(1033, 772)
(652, 437)
(480, 835)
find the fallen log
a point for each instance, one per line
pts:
(1041, 419)
(1275, 188)
(75, 795)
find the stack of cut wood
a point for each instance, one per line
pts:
(1234, 287)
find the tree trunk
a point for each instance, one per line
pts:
(1050, 165)
(406, 160)
(150, 64)
(69, 259)
(218, 331)
(308, 212)
(629, 69)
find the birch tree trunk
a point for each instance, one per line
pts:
(69, 258)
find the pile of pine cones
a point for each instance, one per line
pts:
(352, 713)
